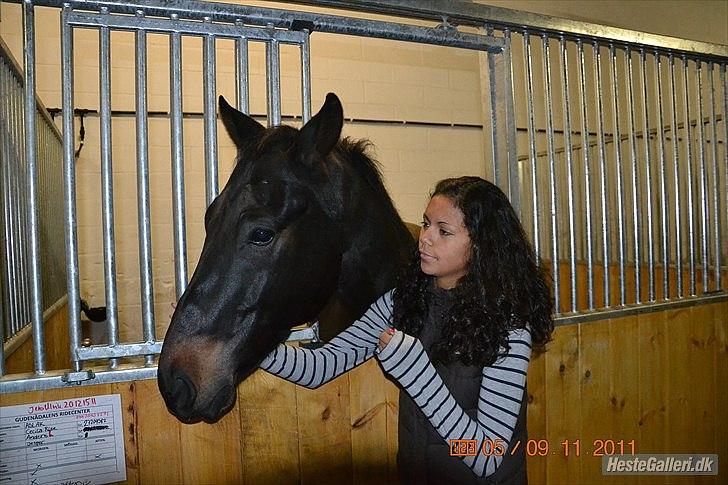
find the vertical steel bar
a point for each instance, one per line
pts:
(178, 170)
(725, 136)
(664, 203)
(569, 168)
(602, 175)
(69, 182)
(31, 139)
(716, 181)
(552, 176)
(514, 184)
(617, 140)
(272, 53)
(494, 108)
(689, 168)
(676, 178)
(8, 199)
(107, 187)
(306, 76)
(703, 181)
(242, 74)
(532, 144)
(209, 71)
(19, 206)
(587, 176)
(143, 210)
(648, 185)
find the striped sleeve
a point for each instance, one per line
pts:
(501, 391)
(313, 367)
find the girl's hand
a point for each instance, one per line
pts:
(385, 337)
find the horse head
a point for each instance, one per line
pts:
(277, 247)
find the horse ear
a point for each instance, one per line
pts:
(319, 136)
(242, 128)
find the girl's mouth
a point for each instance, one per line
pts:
(427, 257)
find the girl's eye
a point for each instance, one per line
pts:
(444, 232)
(261, 236)
(425, 224)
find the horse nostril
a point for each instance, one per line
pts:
(184, 391)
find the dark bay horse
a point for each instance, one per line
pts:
(304, 229)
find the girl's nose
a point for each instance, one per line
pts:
(424, 237)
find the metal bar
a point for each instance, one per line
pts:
(151, 347)
(284, 19)
(676, 179)
(602, 175)
(8, 204)
(552, 177)
(209, 72)
(203, 29)
(532, 144)
(31, 140)
(569, 169)
(107, 187)
(725, 136)
(473, 13)
(689, 168)
(618, 169)
(704, 229)
(716, 181)
(178, 170)
(146, 281)
(514, 183)
(587, 176)
(494, 109)
(273, 68)
(648, 185)
(69, 180)
(242, 75)
(664, 203)
(306, 77)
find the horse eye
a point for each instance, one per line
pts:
(261, 237)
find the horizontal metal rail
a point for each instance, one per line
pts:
(475, 14)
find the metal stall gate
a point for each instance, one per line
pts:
(625, 182)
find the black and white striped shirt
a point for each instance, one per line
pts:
(405, 359)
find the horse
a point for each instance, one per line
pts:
(303, 230)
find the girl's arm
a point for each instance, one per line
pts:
(501, 390)
(313, 367)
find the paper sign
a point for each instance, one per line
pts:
(68, 442)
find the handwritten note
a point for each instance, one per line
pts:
(67, 442)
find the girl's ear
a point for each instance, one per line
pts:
(243, 129)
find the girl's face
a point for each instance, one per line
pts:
(444, 242)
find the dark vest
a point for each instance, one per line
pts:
(423, 456)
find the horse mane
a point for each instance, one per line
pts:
(366, 168)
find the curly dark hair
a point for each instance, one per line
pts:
(504, 289)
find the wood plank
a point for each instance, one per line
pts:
(391, 392)
(129, 408)
(563, 415)
(210, 453)
(269, 429)
(324, 432)
(680, 416)
(653, 388)
(368, 403)
(623, 410)
(158, 434)
(701, 368)
(594, 385)
(536, 385)
(720, 364)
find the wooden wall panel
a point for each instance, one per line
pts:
(660, 379)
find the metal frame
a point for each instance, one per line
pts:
(211, 20)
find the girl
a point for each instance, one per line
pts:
(456, 334)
